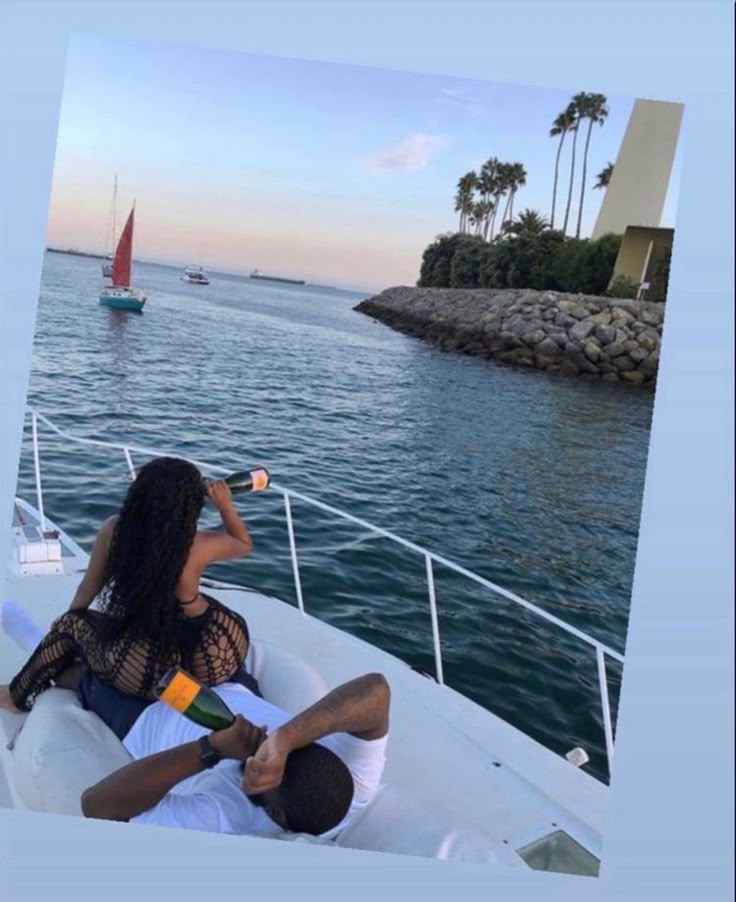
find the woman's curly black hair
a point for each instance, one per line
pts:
(150, 545)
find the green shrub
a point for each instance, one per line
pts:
(541, 260)
(582, 266)
(542, 256)
(497, 261)
(661, 280)
(436, 262)
(466, 262)
(623, 287)
(599, 260)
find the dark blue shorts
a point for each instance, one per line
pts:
(120, 711)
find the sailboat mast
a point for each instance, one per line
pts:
(114, 210)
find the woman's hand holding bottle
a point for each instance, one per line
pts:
(218, 491)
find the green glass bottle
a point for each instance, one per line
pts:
(194, 700)
(248, 480)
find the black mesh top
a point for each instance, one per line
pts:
(211, 646)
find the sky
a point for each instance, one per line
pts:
(337, 174)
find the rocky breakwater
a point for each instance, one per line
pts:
(574, 335)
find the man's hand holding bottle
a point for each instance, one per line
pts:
(239, 741)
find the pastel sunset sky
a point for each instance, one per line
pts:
(337, 174)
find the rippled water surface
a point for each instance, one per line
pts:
(532, 481)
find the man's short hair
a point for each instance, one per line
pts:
(317, 790)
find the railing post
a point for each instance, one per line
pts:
(605, 705)
(37, 468)
(129, 459)
(435, 622)
(292, 549)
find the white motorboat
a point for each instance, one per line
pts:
(195, 275)
(460, 783)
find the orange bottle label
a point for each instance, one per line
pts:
(180, 692)
(261, 480)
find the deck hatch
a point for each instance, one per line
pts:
(559, 852)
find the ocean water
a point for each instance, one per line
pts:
(532, 481)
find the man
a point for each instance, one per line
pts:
(308, 774)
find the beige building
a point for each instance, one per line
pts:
(641, 257)
(636, 194)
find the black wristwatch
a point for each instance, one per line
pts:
(207, 755)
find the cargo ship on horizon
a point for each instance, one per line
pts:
(257, 274)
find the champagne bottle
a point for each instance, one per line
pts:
(194, 700)
(248, 480)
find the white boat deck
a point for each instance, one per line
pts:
(451, 764)
(443, 748)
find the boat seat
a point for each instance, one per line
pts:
(62, 749)
(285, 679)
(398, 821)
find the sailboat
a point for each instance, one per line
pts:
(121, 295)
(107, 264)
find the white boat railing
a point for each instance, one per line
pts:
(601, 650)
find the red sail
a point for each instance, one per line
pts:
(124, 255)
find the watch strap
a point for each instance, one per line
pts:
(208, 756)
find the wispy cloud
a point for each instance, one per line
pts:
(464, 98)
(412, 152)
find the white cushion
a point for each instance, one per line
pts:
(397, 821)
(61, 750)
(285, 679)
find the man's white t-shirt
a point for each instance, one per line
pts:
(214, 799)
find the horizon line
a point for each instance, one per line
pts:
(245, 273)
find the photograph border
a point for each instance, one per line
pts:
(670, 830)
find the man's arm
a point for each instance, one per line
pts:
(359, 707)
(142, 784)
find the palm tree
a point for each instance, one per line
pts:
(529, 222)
(469, 208)
(508, 181)
(502, 186)
(487, 185)
(496, 181)
(604, 176)
(491, 212)
(491, 187)
(485, 208)
(574, 108)
(459, 206)
(464, 198)
(594, 109)
(517, 179)
(564, 123)
(479, 216)
(487, 178)
(475, 217)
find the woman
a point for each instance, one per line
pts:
(145, 566)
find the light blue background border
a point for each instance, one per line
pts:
(671, 820)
